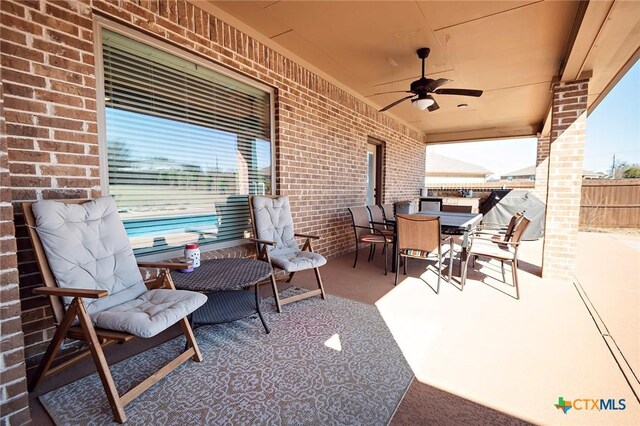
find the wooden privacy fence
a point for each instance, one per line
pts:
(610, 203)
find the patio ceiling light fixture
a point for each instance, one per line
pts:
(422, 102)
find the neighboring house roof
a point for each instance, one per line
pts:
(531, 171)
(589, 173)
(527, 171)
(439, 165)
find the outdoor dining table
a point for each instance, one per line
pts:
(450, 223)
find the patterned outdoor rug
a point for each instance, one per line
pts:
(289, 377)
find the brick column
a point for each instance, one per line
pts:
(14, 399)
(569, 116)
(542, 168)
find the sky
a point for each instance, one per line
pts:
(612, 128)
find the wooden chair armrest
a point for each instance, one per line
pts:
(165, 265)
(259, 241)
(313, 237)
(71, 292)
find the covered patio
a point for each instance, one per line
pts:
(478, 355)
(299, 86)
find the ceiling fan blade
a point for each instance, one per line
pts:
(460, 92)
(437, 83)
(393, 91)
(396, 103)
(433, 107)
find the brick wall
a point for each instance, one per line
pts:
(14, 401)
(50, 106)
(542, 168)
(568, 125)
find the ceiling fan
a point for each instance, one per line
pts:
(422, 89)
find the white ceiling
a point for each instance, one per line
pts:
(510, 49)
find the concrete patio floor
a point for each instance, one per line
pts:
(479, 355)
(514, 356)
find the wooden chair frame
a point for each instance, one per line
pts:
(96, 339)
(262, 253)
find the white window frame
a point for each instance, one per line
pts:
(100, 23)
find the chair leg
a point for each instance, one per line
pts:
(463, 279)
(514, 271)
(450, 260)
(439, 272)
(372, 252)
(276, 296)
(101, 364)
(504, 278)
(395, 282)
(385, 259)
(54, 346)
(319, 279)
(191, 340)
(356, 259)
(264, 323)
(290, 277)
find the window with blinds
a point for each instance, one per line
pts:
(185, 147)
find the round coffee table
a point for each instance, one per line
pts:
(223, 280)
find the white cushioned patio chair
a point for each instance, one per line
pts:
(276, 244)
(97, 292)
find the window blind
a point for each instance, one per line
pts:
(185, 146)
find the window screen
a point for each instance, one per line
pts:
(185, 146)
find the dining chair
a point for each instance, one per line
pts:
(387, 209)
(97, 293)
(365, 233)
(498, 233)
(419, 237)
(500, 250)
(275, 240)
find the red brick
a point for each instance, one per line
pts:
(26, 131)
(12, 8)
(60, 170)
(29, 156)
(23, 78)
(56, 49)
(58, 194)
(16, 37)
(53, 10)
(85, 160)
(48, 21)
(11, 62)
(30, 181)
(23, 104)
(57, 73)
(22, 169)
(60, 123)
(22, 25)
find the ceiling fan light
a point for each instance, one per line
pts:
(422, 103)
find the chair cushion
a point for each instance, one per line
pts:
(375, 238)
(149, 314)
(87, 247)
(298, 262)
(490, 248)
(273, 222)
